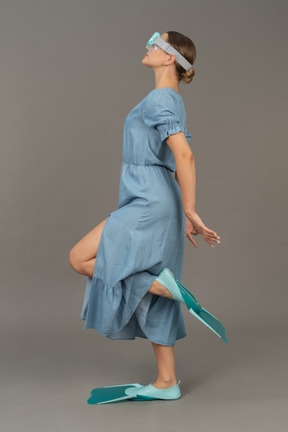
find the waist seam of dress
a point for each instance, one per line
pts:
(137, 164)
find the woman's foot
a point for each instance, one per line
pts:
(149, 392)
(163, 385)
(167, 279)
(160, 290)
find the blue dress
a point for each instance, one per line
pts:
(145, 234)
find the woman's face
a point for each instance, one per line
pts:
(156, 57)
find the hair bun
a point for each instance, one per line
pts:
(187, 49)
(188, 75)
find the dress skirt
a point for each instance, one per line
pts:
(138, 240)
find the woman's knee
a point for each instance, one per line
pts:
(86, 249)
(74, 260)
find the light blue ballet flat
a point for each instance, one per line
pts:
(182, 294)
(150, 392)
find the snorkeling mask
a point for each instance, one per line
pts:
(156, 42)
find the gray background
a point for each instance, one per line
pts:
(70, 73)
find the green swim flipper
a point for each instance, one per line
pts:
(111, 394)
(182, 294)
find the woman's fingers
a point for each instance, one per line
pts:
(194, 225)
(209, 235)
(210, 239)
(191, 239)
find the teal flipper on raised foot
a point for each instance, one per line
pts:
(111, 394)
(181, 293)
(202, 314)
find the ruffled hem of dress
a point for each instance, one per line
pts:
(105, 307)
(188, 135)
(157, 341)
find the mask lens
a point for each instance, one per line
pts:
(152, 47)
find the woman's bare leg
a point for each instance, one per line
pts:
(82, 256)
(165, 356)
(82, 259)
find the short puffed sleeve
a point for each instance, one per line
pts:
(187, 135)
(161, 111)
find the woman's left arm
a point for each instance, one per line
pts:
(185, 170)
(186, 178)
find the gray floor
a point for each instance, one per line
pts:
(239, 386)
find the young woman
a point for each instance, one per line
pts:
(146, 234)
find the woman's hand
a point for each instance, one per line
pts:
(195, 225)
(189, 230)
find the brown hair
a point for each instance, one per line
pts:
(188, 50)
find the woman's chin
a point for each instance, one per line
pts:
(144, 62)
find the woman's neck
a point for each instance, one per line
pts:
(166, 81)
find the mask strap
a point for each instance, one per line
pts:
(167, 47)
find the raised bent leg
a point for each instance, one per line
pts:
(82, 256)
